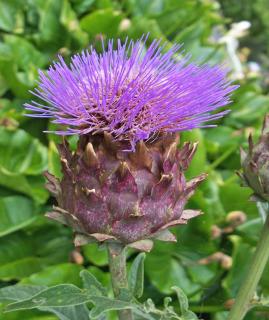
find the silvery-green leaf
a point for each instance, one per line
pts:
(57, 296)
(92, 284)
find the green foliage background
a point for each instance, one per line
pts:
(34, 250)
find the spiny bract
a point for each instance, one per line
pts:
(255, 165)
(109, 194)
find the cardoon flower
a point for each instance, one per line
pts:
(125, 182)
(255, 165)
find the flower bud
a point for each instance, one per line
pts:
(107, 194)
(255, 164)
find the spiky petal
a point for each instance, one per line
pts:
(130, 92)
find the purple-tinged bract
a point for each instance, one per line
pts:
(255, 165)
(131, 92)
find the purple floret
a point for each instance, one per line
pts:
(132, 92)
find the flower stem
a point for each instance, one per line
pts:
(117, 266)
(248, 287)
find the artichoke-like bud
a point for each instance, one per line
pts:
(109, 194)
(255, 165)
(125, 182)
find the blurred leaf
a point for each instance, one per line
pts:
(25, 54)
(11, 16)
(199, 160)
(53, 275)
(170, 274)
(249, 108)
(95, 255)
(242, 254)
(16, 212)
(16, 81)
(52, 34)
(15, 246)
(20, 268)
(145, 7)
(54, 164)
(82, 6)
(235, 197)
(22, 156)
(136, 275)
(29, 185)
(104, 22)
(20, 153)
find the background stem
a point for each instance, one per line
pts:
(248, 287)
(117, 266)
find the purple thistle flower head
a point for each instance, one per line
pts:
(131, 92)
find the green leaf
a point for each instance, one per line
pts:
(81, 6)
(54, 164)
(104, 22)
(199, 160)
(234, 197)
(184, 305)
(11, 16)
(23, 159)
(242, 253)
(103, 304)
(52, 34)
(24, 292)
(79, 312)
(92, 284)
(19, 292)
(171, 273)
(16, 81)
(21, 154)
(136, 275)
(15, 246)
(25, 54)
(57, 274)
(57, 296)
(20, 268)
(32, 186)
(95, 254)
(16, 212)
(182, 299)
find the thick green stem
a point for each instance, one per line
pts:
(117, 266)
(248, 287)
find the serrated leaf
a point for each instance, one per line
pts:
(92, 284)
(136, 275)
